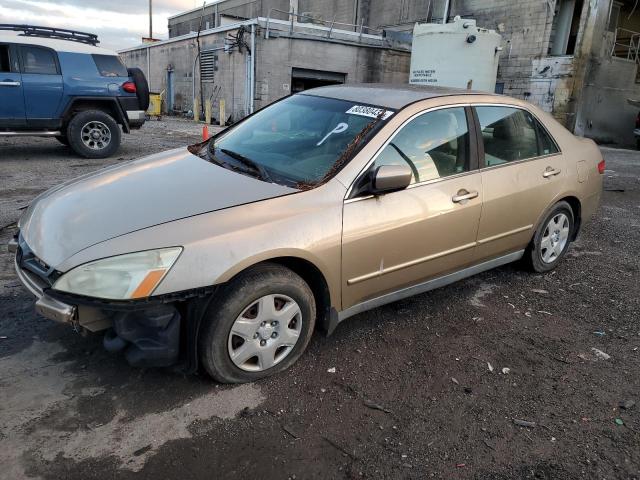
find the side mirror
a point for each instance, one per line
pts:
(390, 178)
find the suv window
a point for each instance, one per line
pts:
(110, 66)
(512, 134)
(5, 64)
(435, 145)
(39, 60)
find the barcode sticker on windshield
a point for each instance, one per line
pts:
(372, 112)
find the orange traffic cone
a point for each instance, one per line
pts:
(205, 133)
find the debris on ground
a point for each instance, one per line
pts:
(506, 370)
(599, 333)
(626, 404)
(490, 367)
(375, 406)
(454, 380)
(340, 448)
(331, 370)
(600, 354)
(524, 423)
(619, 421)
(290, 431)
(595, 355)
(540, 291)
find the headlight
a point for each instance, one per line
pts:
(134, 275)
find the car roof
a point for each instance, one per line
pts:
(53, 43)
(387, 95)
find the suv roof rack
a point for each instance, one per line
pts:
(49, 32)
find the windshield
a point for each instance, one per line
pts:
(299, 141)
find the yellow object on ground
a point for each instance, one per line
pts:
(155, 104)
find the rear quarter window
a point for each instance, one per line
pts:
(110, 66)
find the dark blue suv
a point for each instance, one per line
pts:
(58, 82)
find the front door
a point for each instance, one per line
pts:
(42, 82)
(403, 238)
(12, 113)
(522, 173)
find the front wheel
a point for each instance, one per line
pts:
(258, 324)
(552, 239)
(93, 134)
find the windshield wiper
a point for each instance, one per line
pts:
(250, 163)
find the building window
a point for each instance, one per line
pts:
(566, 27)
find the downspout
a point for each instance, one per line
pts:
(149, 65)
(252, 84)
(447, 9)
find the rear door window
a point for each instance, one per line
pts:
(39, 60)
(110, 66)
(511, 134)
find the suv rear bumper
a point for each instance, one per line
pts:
(136, 118)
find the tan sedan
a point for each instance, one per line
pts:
(321, 206)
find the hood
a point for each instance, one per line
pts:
(132, 196)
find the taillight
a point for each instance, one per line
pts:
(129, 87)
(601, 167)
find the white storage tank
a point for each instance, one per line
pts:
(457, 54)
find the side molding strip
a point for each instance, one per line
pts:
(428, 285)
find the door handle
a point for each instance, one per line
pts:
(463, 196)
(550, 172)
(9, 83)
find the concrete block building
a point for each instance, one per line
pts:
(577, 59)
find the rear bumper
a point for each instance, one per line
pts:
(136, 118)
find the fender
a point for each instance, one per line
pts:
(114, 106)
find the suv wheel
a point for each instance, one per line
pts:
(93, 134)
(259, 324)
(552, 239)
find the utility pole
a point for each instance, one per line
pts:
(150, 19)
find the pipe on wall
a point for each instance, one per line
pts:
(252, 84)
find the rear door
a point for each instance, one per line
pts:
(42, 83)
(522, 171)
(12, 113)
(403, 238)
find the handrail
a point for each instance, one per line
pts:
(630, 49)
(331, 25)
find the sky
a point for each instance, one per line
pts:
(118, 23)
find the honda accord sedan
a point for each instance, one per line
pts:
(228, 254)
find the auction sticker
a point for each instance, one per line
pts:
(372, 112)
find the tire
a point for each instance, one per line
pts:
(142, 87)
(84, 124)
(547, 248)
(638, 143)
(62, 139)
(239, 306)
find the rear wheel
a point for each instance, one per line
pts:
(93, 134)
(552, 239)
(259, 324)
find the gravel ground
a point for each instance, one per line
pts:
(419, 389)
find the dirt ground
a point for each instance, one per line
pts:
(419, 389)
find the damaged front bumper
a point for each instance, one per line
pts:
(46, 306)
(147, 332)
